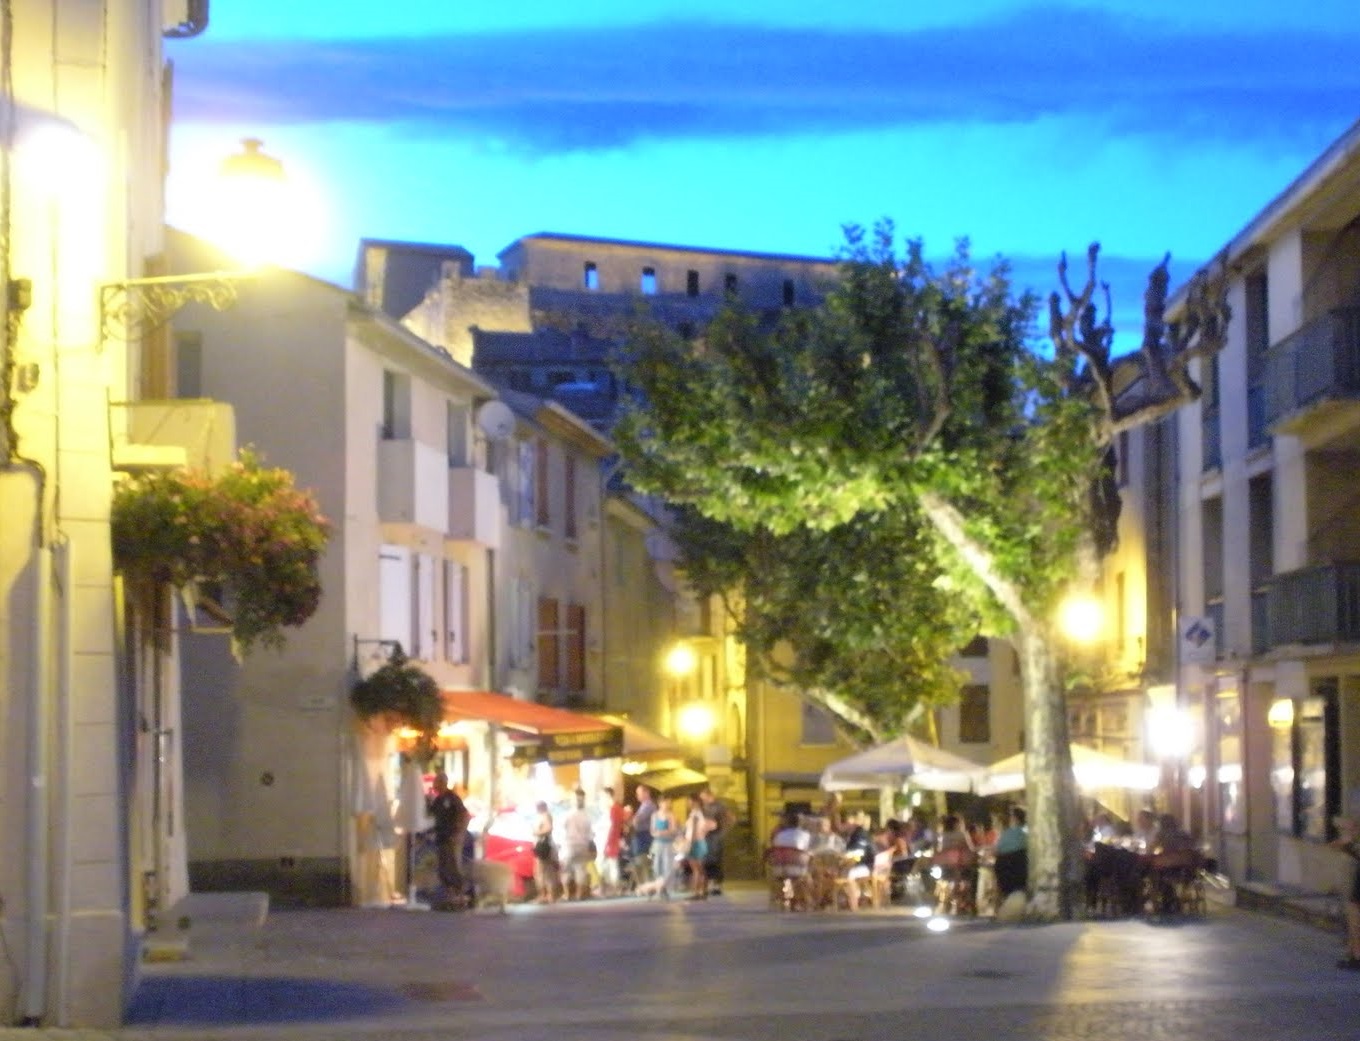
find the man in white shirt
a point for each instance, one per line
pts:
(577, 844)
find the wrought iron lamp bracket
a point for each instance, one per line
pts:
(131, 309)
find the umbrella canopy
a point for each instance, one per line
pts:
(1094, 770)
(901, 760)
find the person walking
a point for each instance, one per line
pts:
(617, 815)
(545, 856)
(719, 820)
(578, 848)
(641, 838)
(451, 819)
(1348, 841)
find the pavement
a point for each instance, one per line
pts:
(729, 968)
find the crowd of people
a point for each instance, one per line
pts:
(657, 848)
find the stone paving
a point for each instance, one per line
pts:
(728, 969)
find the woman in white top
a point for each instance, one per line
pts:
(696, 847)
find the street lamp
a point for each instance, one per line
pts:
(1081, 617)
(680, 661)
(695, 721)
(248, 217)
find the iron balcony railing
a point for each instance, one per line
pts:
(1319, 361)
(1315, 605)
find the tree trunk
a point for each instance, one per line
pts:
(1055, 864)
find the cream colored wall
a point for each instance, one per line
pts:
(90, 221)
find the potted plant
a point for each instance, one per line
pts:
(244, 545)
(400, 693)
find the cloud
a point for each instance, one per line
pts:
(542, 93)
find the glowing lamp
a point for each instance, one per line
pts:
(1080, 617)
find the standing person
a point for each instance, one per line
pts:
(641, 841)
(696, 847)
(577, 849)
(545, 856)
(451, 818)
(618, 815)
(1348, 841)
(665, 830)
(719, 819)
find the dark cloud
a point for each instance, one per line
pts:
(545, 92)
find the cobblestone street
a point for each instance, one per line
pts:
(729, 969)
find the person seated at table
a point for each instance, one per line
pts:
(1012, 855)
(920, 837)
(1170, 837)
(1103, 828)
(824, 836)
(956, 861)
(1145, 831)
(791, 834)
(859, 856)
(787, 861)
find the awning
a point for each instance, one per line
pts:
(901, 761)
(643, 745)
(541, 732)
(1093, 770)
(673, 782)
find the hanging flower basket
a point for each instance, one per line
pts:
(246, 542)
(401, 694)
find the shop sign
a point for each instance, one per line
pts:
(575, 747)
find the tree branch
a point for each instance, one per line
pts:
(948, 521)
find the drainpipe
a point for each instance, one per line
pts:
(65, 732)
(39, 815)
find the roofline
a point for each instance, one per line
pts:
(1337, 156)
(391, 327)
(426, 247)
(555, 236)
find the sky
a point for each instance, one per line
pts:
(1028, 128)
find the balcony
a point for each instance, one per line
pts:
(1315, 605)
(1314, 370)
(167, 434)
(474, 507)
(413, 484)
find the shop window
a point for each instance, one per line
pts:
(574, 678)
(548, 640)
(975, 714)
(1305, 763)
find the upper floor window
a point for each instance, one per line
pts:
(542, 512)
(730, 284)
(569, 497)
(788, 292)
(590, 275)
(691, 282)
(975, 718)
(549, 636)
(648, 284)
(396, 406)
(574, 678)
(457, 418)
(818, 726)
(526, 485)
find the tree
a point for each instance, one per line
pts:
(929, 390)
(849, 618)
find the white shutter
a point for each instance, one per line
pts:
(423, 644)
(455, 612)
(394, 595)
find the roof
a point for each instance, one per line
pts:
(553, 236)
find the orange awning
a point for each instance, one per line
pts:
(555, 735)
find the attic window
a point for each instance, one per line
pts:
(591, 275)
(649, 281)
(692, 283)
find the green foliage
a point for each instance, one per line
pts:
(249, 533)
(402, 693)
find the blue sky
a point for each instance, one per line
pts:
(1029, 128)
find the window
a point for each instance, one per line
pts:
(975, 648)
(455, 612)
(569, 497)
(425, 629)
(575, 677)
(975, 714)
(730, 284)
(1305, 763)
(818, 726)
(188, 365)
(548, 637)
(590, 276)
(542, 512)
(691, 283)
(525, 512)
(788, 292)
(521, 623)
(394, 595)
(1232, 801)
(648, 284)
(396, 406)
(457, 417)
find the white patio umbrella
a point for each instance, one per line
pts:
(1094, 771)
(900, 761)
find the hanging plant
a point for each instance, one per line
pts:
(401, 693)
(245, 544)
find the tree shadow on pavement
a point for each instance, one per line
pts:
(181, 1000)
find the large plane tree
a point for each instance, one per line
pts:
(928, 389)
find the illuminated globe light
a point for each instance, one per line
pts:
(695, 721)
(938, 925)
(681, 660)
(1080, 617)
(250, 206)
(923, 911)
